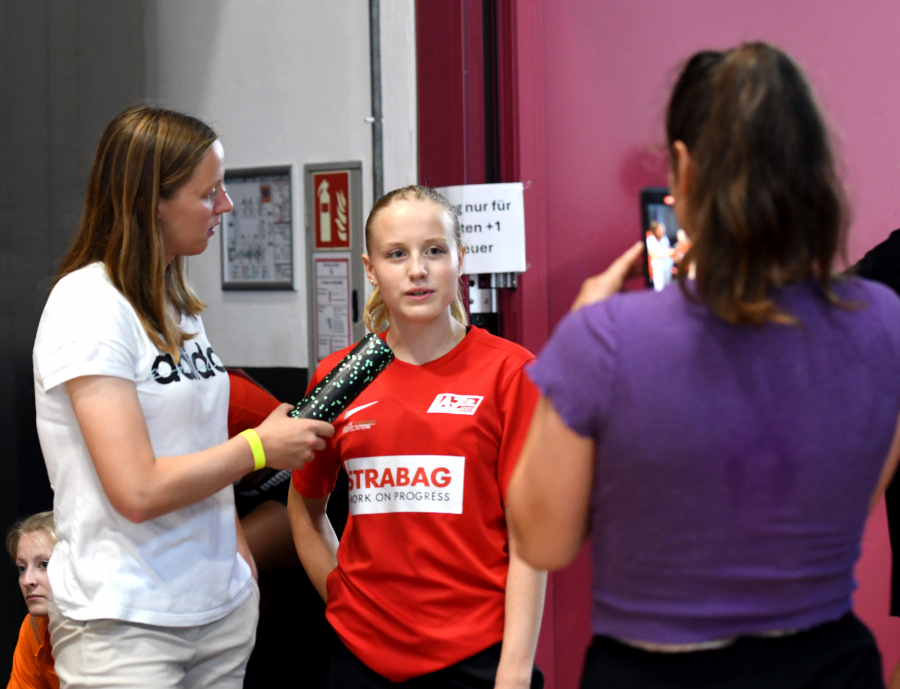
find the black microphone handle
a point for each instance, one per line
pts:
(346, 381)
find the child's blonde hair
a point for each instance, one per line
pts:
(376, 314)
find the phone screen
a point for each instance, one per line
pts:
(665, 243)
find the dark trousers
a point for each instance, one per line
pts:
(835, 655)
(476, 672)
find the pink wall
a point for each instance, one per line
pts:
(607, 70)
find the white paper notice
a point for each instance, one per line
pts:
(492, 219)
(332, 279)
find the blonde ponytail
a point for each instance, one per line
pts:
(458, 310)
(376, 314)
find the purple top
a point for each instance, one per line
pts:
(734, 464)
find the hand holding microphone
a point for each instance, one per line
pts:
(289, 443)
(290, 436)
(346, 381)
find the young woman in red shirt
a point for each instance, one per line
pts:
(426, 588)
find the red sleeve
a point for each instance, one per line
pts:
(248, 404)
(517, 403)
(317, 478)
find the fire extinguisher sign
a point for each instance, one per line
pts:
(331, 195)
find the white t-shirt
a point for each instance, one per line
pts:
(178, 570)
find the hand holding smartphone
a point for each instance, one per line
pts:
(610, 281)
(665, 243)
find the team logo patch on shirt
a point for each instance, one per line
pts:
(448, 403)
(406, 483)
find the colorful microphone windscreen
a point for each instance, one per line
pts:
(346, 381)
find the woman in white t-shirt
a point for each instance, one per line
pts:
(152, 579)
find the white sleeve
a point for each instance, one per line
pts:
(87, 329)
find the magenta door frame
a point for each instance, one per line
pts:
(565, 633)
(451, 151)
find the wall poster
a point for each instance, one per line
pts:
(331, 275)
(258, 234)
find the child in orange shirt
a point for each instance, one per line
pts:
(30, 543)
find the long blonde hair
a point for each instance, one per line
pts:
(144, 155)
(376, 314)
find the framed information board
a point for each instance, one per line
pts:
(258, 233)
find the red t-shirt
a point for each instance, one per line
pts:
(248, 404)
(421, 576)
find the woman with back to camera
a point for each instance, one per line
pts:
(724, 542)
(427, 588)
(30, 543)
(151, 577)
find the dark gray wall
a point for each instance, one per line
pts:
(66, 68)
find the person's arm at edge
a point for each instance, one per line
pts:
(890, 468)
(524, 609)
(314, 537)
(555, 462)
(140, 486)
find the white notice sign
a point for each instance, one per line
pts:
(332, 279)
(492, 219)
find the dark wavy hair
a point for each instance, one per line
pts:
(766, 204)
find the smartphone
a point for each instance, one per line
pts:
(665, 243)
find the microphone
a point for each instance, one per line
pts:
(344, 383)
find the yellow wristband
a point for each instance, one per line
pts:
(259, 455)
